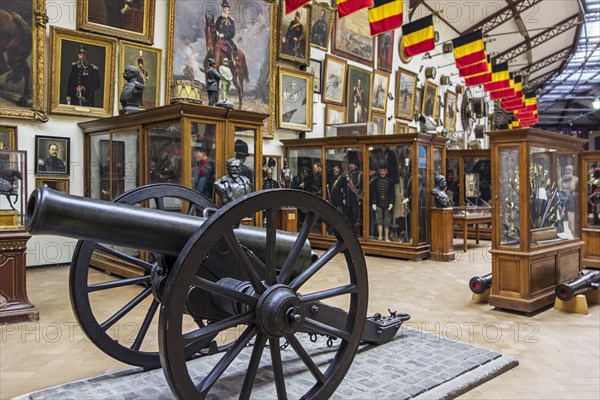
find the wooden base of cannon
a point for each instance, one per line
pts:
(442, 246)
(579, 303)
(14, 304)
(483, 297)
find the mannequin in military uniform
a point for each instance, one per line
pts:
(212, 82)
(336, 188)
(233, 185)
(225, 26)
(441, 198)
(226, 77)
(84, 80)
(382, 197)
(354, 177)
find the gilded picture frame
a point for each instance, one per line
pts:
(96, 99)
(8, 137)
(450, 110)
(26, 98)
(131, 53)
(293, 39)
(380, 120)
(406, 85)
(334, 115)
(188, 53)
(401, 127)
(385, 51)
(358, 105)
(316, 69)
(321, 25)
(352, 39)
(60, 184)
(131, 20)
(295, 106)
(379, 95)
(430, 99)
(52, 155)
(334, 80)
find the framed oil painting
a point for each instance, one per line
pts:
(315, 68)
(379, 119)
(52, 155)
(294, 34)
(358, 93)
(59, 183)
(248, 42)
(334, 115)
(82, 73)
(147, 60)
(352, 38)
(450, 111)
(334, 79)
(418, 100)
(8, 138)
(406, 84)
(129, 19)
(295, 100)
(430, 99)
(23, 78)
(321, 24)
(379, 97)
(401, 127)
(385, 51)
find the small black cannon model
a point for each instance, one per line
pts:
(211, 277)
(579, 285)
(479, 284)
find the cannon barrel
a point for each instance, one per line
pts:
(579, 285)
(479, 284)
(50, 212)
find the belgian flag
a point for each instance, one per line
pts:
(385, 15)
(513, 105)
(418, 36)
(291, 5)
(481, 78)
(500, 78)
(347, 7)
(469, 49)
(514, 125)
(475, 69)
(530, 102)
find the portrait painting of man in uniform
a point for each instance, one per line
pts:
(52, 155)
(295, 34)
(83, 73)
(321, 23)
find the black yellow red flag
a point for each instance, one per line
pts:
(418, 36)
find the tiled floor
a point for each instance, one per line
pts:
(559, 353)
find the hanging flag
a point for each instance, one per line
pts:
(518, 86)
(481, 78)
(474, 69)
(418, 36)
(500, 78)
(385, 15)
(530, 102)
(347, 7)
(514, 125)
(469, 49)
(513, 105)
(292, 5)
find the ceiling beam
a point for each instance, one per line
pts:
(535, 41)
(547, 61)
(498, 18)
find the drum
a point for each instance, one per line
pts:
(185, 90)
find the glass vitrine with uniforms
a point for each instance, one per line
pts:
(590, 203)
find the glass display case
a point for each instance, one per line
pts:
(590, 203)
(356, 129)
(380, 183)
(536, 216)
(13, 189)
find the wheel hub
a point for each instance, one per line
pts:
(278, 312)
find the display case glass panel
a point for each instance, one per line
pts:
(164, 153)
(304, 164)
(422, 195)
(390, 182)
(437, 160)
(245, 150)
(478, 181)
(593, 193)
(13, 172)
(99, 167)
(125, 161)
(203, 158)
(453, 174)
(554, 192)
(510, 216)
(356, 129)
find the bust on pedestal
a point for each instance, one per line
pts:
(131, 95)
(442, 246)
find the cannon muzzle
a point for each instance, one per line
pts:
(580, 285)
(479, 284)
(50, 212)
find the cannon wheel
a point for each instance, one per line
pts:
(266, 315)
(80, 288)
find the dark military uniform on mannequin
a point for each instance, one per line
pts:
(212, 82)
(354, 178)
(382, 199)
(336, 188)
(84, 80)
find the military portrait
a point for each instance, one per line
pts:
(148, 61)
(295, 35)
(321, 23)
(52, 155)
(83, 73)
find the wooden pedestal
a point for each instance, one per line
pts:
(14, 304)
(287, 219)
(525, 281)
(442, 247)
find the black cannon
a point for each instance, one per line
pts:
(583, 283)
(212, 276)
(479, 284)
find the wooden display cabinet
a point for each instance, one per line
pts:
(590, 203)
(409, 159)
(159, 146)
(535, 228)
